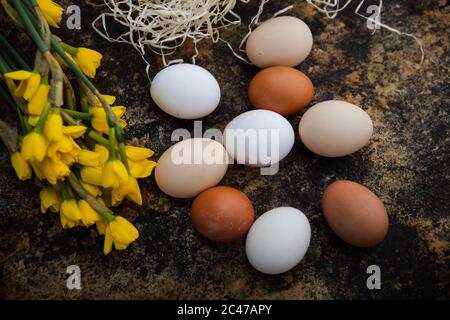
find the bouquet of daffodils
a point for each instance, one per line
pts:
(73, 143)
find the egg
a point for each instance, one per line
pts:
(280, 41)
(278, 240)
(355, 213)
(335, 128)
(185, 91)
(284, 90)
(259, 138)
(222, 214)
(191, 166)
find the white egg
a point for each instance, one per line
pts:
(278, 240)
(335, 128)
(259, 138)
(185, 91)
(191, 166)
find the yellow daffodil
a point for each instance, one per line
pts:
(21, 166)
(109, 99)
(129, 190)
(53, 128)
(37, 169)
(92, 175)
(93, 190)
(69, 158)
(64, 145)
(29, 82)
(74, 131)
(138, 153)
(88, 215)
(37, 102)
(101, 226)
(119, 232)
(88, 60)
(103, 153)
(114, 174)
(99, 121)
(89, 158)
(50, 199)
(142, 168)
(34, 146)
(52, 12)
(54, 170)
(69, 213)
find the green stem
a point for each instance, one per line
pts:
(4, 68)
(59, 50)
(91, 134)
(12, 52)
(112, 144)
(9, 61)
(63, 188)
(29, 26)
(79, 115)
(72, 50)
(102, 210)
(40, 125)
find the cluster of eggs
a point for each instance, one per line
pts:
(279, 238)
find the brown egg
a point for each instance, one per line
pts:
(284, 90)
(355, 213)
(222, 214)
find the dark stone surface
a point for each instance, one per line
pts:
(406, 164)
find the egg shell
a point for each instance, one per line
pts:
(280, 41)
(187, 168)
(264, 124)
(278, 240)
(335, 128)
(222, 214)
(284, 90)
(355, 213)
(185, 91)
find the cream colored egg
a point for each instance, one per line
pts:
(191, 166)
(335, 128)
(281, 41)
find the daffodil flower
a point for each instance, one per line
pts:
(29, 82)
(52, 12)
(69, 213)
(37, 102)
(21, 166)
(89, 158)
(53, 128)
(114, 174)
(129, 190)
(103, 153)
(88, 60)
(142, 168)
(88, 215)
(119, 232)
(34, 146)
(74, 131)
(50, 199)
(60, 60)
(138, 153)
(93, 190)
(99, 121)
(91, 175)
(54, 170)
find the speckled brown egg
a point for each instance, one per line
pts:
(355, 213)
(222, 214)
(284, 90)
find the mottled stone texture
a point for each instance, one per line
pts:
(406, 164)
